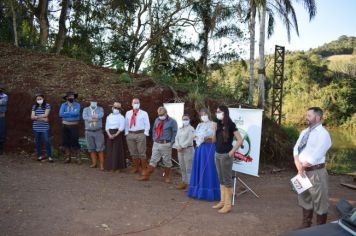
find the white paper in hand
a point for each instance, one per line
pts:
(301, 184)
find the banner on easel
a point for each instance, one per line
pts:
(176, 111)
(249, 124)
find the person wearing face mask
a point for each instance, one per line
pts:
(164, 132)
(224, 155)
(185, 149)
(3, 109)
(137, 128)
(114, 127)
(309, 158)
(92, 116)
(70, 114)
(40, 126)
(204, 182)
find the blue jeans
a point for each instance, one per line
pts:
(2, 130)
(38, 136)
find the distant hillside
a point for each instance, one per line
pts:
(343, 45)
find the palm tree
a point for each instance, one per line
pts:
(285, 10)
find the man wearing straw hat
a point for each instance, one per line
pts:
(3, 108)
(70, 114)
(92, 116)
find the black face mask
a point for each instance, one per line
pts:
(71, 100)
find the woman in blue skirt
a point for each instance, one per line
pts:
(204, 181)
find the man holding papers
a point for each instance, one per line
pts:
(309, 158)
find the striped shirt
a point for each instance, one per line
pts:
(38, 125)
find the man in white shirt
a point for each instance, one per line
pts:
(309, 158)
(137, 127)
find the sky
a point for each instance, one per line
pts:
(333, 19)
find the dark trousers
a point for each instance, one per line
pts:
(70, 136)
(2, 133)
(38, 137)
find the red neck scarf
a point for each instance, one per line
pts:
(133, 118)
(159, 128)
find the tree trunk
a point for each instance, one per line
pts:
(14, 23)
(62, 31)
(261, 68)
(42, 15)
(252, 29)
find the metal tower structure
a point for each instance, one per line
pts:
(277, 87)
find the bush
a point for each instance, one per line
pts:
(292, 132)
(124, 78)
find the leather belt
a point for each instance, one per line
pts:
(315, 167)
(137, 132)
(93, 130)
(163, 141)
(70, 122)
(208, 140)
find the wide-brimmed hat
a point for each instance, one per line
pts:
(69, 94)
(39, 94)
(116, 105)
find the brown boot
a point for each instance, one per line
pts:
(222, 198)
(181, 186)
(167, 175)
(307, 218)
(93, 158)
(136, 163)
(144, 164)
(68, 156)
(321, 219)
(146, 173)
(227, 205)
(101, 159)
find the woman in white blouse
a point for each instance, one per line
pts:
(115, 127)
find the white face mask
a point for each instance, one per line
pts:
(136, 106)
(115, 111)
(220, 116)
(204, 118)
(40, 102)
(162, 117)
(93, 105)
(185, 122)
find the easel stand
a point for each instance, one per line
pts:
(248, 189)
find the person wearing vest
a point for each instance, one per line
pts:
(309, 158)
(225, 134)
(3, 109)
(40, 126)
(92, 116)
(70, 114)
(137, 128)
(163, 135)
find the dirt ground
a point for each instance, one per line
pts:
(58, 199)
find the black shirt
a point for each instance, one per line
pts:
(221, 145)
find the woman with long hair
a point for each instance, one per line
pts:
(224, 155)
(204, 182)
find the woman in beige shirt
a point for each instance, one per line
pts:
(184, 146)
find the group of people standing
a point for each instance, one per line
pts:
(206, 167)
(205, 154)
